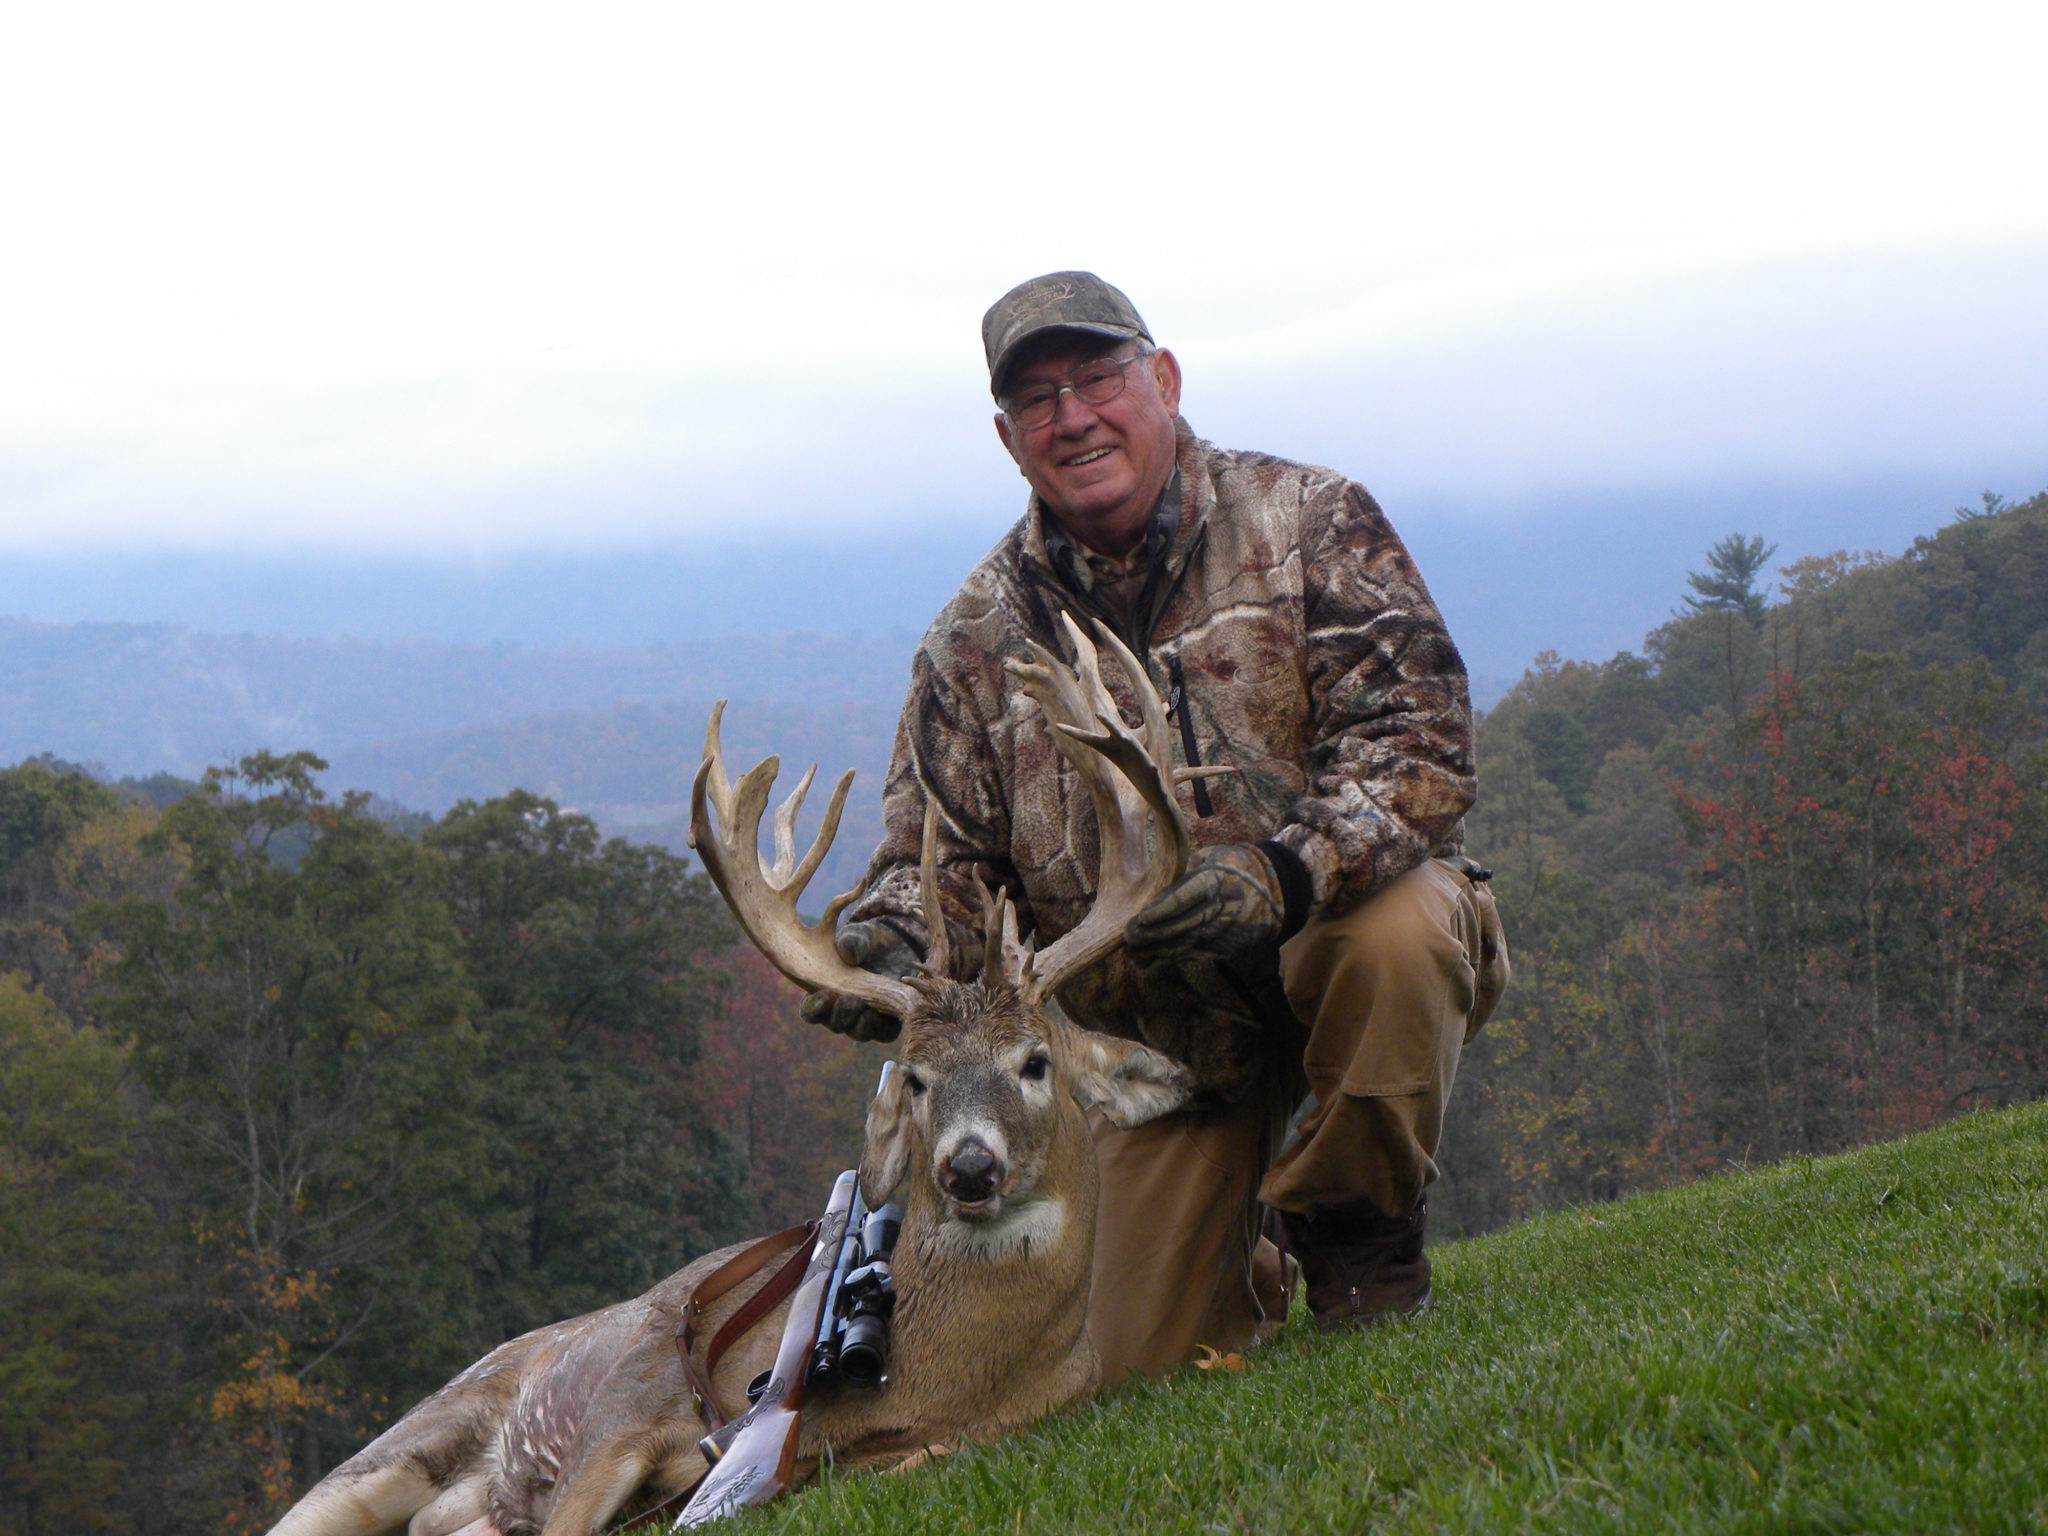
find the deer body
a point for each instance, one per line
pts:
(982, 1136)
(559, 1429)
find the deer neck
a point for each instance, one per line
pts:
(998, 1291)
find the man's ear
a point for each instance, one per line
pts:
(1009, 446)
(1166, 374)
(1131, 1082)
(885, 1149)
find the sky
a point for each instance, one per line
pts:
(448, 279)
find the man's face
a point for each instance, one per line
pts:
(1099, 468)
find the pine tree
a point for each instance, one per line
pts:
(1729, 582)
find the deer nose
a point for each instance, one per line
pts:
(972, 1172)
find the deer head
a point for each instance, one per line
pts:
(991, 1084)
(988, 1099)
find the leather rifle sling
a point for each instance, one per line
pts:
(743, 1265)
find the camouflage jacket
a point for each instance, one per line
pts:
(1296, 642)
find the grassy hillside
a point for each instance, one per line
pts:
(1849, 1344)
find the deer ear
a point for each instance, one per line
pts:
(885, 1151)
(1131, 1083)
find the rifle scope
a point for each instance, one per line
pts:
(871, 1297)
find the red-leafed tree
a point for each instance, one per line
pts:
(1874, 918)
(792, 1096)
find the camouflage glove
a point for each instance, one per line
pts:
(1234, 897)
(873, 947)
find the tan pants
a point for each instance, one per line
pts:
(1386, 995)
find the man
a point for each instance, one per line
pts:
(1327, 936)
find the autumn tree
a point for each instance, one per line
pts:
(42, 805)
(588, 956)
(81, 1267)
(299, 1011)
(1774, 885)
(790, 1095)
(1876, 911)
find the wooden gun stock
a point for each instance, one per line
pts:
(760, 1454)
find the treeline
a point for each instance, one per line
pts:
(301, 1111)
(1777, 885)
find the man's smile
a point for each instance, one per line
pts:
(1085, 458)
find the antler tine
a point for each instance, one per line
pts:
(938, 960)
(764, 899)
(1154, 733)
(1138, 766)
(1052, 684)
(1004, 958)
(712, 774)
(1147, 759)
(785, 824)
(828, 829)
(1144, 842)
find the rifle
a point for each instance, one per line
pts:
(758, 1459)
(836, 1329)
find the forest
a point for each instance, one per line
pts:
(1777, 885)
(305, 1103)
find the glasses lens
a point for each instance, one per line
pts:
(1034, 407)
(1101, 382)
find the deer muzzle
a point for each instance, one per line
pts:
(971, 1176)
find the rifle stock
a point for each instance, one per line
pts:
(759, 1461)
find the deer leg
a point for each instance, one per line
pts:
(603, 1479)
(601, 1484)
(462, 1510)
(922, 1456)
(586, 1503)
(362, 1505)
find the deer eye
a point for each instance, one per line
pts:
(913, 1082)
(1036, 1067)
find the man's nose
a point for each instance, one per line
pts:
(1070, 413)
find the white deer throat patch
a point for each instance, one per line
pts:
(1022, 1231)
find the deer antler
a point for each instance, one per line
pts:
(1130, 776)
(764, 897)
(1004, 959)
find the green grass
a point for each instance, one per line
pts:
(1847, 1344)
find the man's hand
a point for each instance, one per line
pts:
(1230, 900)
(873, 947)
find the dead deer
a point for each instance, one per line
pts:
(981, 1135)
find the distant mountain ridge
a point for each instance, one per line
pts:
(137, 698)
(630, 765)
(614, 733)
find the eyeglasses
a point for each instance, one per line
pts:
(1097, 383)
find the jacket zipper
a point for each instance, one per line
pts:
(1177, 704)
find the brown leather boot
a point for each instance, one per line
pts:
(1360, 1264)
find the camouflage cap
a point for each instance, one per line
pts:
(1058, 301)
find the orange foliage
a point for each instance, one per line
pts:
(277, 1322)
